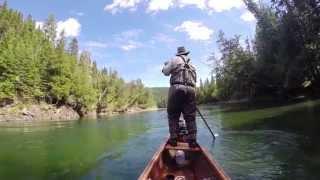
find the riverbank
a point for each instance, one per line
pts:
(131, 110)
(260, 103)
(301, 118)
(46, 112)
(37, 112)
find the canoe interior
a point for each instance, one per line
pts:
(197, 165)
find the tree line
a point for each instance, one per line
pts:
(39, 65)
(282, 62)
(160, 95)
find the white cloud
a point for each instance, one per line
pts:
(195, 30)
(96, 44)
(39, 24)
(116, 5)
(201, 4)
(224, 5)
(163, 38)
(157, 5)
(129, 34)
(242, 43)
(71, 27)
(128, 40)
(248, 17)
(161, 5)
(130, 45)
(79, 13)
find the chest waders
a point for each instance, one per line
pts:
(182, 100)
(184, 74)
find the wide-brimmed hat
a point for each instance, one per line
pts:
(182, 51)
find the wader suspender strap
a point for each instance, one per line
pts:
(184, 71)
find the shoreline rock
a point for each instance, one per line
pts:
(37, 112)
(47, 112)
(138, 110)
(131, 110)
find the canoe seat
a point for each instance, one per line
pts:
(181, 146)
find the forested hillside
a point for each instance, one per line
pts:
(160, 95)
(282, 62)
(39, 65)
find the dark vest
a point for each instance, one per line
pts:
(184, 74)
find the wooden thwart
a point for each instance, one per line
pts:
(182, 146)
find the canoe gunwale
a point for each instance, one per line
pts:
(151, 163)
(222, 174)
(155, 158)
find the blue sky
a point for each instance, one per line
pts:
(135, 37)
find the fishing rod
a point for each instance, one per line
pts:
(206, 123)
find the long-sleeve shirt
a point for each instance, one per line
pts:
(172, 64)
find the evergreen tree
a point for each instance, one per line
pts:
(50, 28)
(36, 64)
(73, 47)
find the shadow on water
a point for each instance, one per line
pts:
(251, 106)
(262, 155)
(301, 118)
(272, 143)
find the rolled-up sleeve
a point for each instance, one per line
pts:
(166, 70)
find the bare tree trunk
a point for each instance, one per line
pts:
(102, 95)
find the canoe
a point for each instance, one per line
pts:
(182, 163)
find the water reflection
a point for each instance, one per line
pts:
(266, 151)
(29, 127)
(119, 147)
(62, 150)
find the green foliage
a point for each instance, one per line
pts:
(207, 91)
(234, 69)
(115, 94)
(160, 95)
(74, 47)
(288, 45)
(282, 62)
(19, 51)
(83, 93)
(36, 64)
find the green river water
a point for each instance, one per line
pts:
(252, 144)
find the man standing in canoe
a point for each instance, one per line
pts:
(182, 95)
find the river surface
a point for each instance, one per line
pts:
(119, 147)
